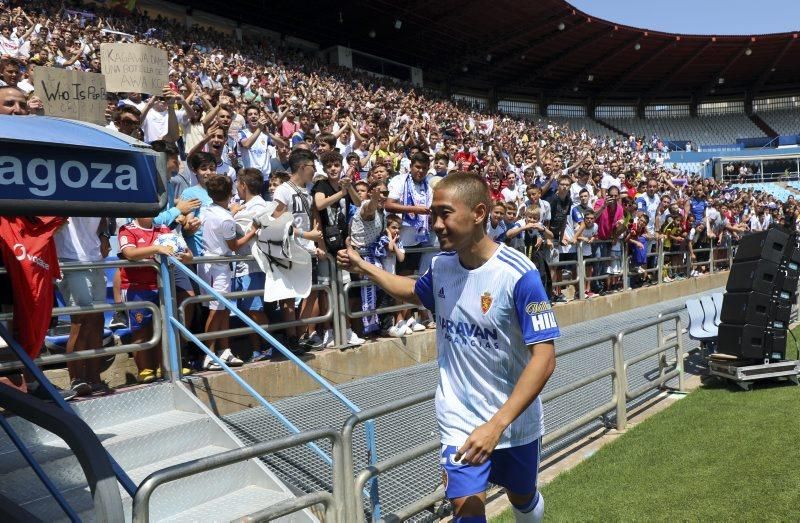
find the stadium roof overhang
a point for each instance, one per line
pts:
(543, 47)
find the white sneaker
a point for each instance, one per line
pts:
(209, 364)
(394, 332)
(401, 327)
(231, 360)
(353, 339)
(415, 326)
(327, 339)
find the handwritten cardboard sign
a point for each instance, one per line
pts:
(134, 68)
(71, 94)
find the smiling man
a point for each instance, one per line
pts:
(495, 338)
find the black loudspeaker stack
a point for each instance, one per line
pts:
(759, 295)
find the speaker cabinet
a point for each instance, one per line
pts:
(755, 308)
(761, 276)
(752, 342)
(766, 245)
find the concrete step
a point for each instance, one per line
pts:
(133, 444)
(145, 430)
(236, 505)
(171, 499)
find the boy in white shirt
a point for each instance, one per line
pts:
(585, 234)
(219, 239)
(293, 197)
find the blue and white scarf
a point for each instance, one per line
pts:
(413, 196)
(375, 254)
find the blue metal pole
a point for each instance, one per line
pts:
(169, 313)
(246, 386)
(264, 334)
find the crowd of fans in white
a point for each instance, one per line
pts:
(254, 127)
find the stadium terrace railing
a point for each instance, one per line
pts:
(329, 290)
(621, 394)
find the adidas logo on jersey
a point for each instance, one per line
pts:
(441, 292)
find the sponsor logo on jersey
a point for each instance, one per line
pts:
(21, 253)
(536, 307)
(468, 330)
(471, 334)
(486, 302)
(543, 321)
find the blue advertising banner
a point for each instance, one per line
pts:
(51, 166)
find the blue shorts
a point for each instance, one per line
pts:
(250, 282)
(141, 317)
(514, 468)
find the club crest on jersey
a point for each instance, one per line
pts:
(486, 302)
(139, 317)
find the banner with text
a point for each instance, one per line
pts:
(134, 68)
(71, 94)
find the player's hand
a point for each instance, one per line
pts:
(480, 444)
(184, 257)
(349, 259)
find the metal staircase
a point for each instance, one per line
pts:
(145, 430)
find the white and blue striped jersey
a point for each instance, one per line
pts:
(486, 319)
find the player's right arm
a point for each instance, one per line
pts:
(400, 288)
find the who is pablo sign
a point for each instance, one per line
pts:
(76, 95)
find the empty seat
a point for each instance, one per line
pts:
(697, 321)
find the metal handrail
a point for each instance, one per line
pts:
(334, 511)
(290, 506)
(246, 330)
(360, 417)
(154, 341)
(619, 397)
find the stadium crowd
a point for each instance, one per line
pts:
(255, 127)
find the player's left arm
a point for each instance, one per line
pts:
(538, 327)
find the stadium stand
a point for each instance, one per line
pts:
(784, 122)
(592, 127)
(723, 129)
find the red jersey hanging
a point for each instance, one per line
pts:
(29, 254)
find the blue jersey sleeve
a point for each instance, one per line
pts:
(537, 321)
(424, 290)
